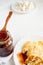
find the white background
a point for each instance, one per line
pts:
(21, 25)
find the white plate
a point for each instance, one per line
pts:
(19, 45)
(25, 11)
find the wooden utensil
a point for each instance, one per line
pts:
(7, 19)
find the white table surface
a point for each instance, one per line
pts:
(22, 25)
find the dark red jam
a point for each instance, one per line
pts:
(7, 47)
(3, 35)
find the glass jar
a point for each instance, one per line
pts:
(6, 46)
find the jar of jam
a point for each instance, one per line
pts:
(6, 46)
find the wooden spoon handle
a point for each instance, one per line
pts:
(7, 19)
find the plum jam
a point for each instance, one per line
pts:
(6, 44)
